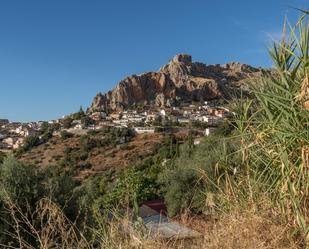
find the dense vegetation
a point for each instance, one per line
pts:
(22, 189)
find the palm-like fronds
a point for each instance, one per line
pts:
(279, 133)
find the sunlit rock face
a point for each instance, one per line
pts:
(179, 80)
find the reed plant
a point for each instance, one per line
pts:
(274, 129)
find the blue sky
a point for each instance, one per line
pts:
(56, 55)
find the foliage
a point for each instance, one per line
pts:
(79, 115)
(67, 122)
(275, 136)
(44, 127)
(199, 124)
(59, 187)
(46, 131)
(29, 143)
(169, 148)
(182, 183)
(2, 156)
(86, 121)
(18, 182)
(87, 143)
(131, 187)
(18, 185)
(65, 134)
(21, 187)
(225, 128)
(137, 107)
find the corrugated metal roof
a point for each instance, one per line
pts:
(160, 226)
(170, 230)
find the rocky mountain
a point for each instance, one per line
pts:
(179, 80)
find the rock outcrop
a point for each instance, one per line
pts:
(179, 80)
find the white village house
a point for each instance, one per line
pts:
(140, 130)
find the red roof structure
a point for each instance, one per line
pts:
(157, 205)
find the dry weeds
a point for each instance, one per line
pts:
(246, 229)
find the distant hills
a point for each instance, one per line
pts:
(181, 80)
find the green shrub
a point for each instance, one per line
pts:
(2, 156)
(182, 180)
(65, 134)
(79, 115)
(18, 182)
(67, 123)
(29, 143)
(130, 188)
(19, 187)
(88, 143)
(59, 186)
(225, 128)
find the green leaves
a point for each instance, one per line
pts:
(131, 187)
(17, 182)
(280, 132)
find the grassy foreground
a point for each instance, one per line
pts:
(238, 229)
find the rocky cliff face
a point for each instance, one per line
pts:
(179, 80)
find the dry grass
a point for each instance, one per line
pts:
(242, 229)
(249, 231)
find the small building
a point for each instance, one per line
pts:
(197, 141)
(105, 123)
(182, 120)
(202, 118)
(76, 121)
(115, 115)
(24, 131)
(211, 120)
(187, 113)
(18, 143)
(4, 121)
(4, 146)
(140, 130)
(9, 141)
(78, 127)
(151, 117)
(223, 112)
(220, 113)
(2, 136)
(209, 131)
(97, 116)
(121, 122)
(159, 226)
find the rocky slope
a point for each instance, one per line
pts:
(179, 80)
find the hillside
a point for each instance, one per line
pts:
(88, 156)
